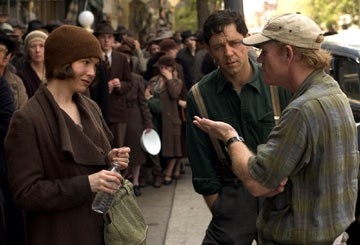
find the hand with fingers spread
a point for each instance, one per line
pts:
(215, 129)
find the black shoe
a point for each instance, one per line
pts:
(137, 191)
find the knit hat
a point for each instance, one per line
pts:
(294, 29)
(67, 44)
(33, 36)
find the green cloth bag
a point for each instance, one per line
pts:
(124, 222)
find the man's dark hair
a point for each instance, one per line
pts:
(216, 22)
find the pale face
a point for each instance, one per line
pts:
(4, 56)
(36, 51)
(107, 41)
(190, 43)
(84, 74)
(154, 48)
(274, 63)
(229, 52)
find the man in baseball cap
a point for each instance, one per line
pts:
(308, 168)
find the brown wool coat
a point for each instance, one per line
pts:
(49, 159)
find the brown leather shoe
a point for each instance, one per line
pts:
(158, 181)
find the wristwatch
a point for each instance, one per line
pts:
(236, 138)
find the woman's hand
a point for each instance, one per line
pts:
(106, 181)
(148, 93)
(215, 129)
(182, 103)
(120, 156)
(167, 72)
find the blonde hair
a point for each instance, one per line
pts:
(315, 58)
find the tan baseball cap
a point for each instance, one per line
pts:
(291, 28)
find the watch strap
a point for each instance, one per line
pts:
(233, 139)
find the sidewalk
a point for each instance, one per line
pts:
(176, 215)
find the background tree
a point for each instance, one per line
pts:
(328, 11)
(191, 14)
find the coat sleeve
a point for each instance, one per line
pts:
(31, 188)
(174, 87)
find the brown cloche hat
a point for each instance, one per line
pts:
(104, 27)
(167, 44)
(61, 48)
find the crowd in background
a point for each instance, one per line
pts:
(138, 86)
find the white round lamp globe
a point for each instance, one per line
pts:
(86, 19)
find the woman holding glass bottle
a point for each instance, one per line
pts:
(58, 147)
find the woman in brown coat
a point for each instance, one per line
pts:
(58, 147)
(167, 88)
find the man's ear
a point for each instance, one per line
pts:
(289, 52)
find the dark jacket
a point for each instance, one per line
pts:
(113, 106)
(30, 79)
(49, 159)
(121, 69)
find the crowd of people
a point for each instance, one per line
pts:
(73, 102)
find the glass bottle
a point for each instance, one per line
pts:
(104, 200)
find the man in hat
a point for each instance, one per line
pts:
(309, 166)
(187, 53)
(114, 81)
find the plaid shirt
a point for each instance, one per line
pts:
(315, 146)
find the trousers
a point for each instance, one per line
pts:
(233, 220)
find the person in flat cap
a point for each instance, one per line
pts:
(32, 71)
(114, 74)
(308, 168)
(62, 136)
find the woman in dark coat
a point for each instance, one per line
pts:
(140, 119)
(167, 87)
(58, 147)
(32, 72)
